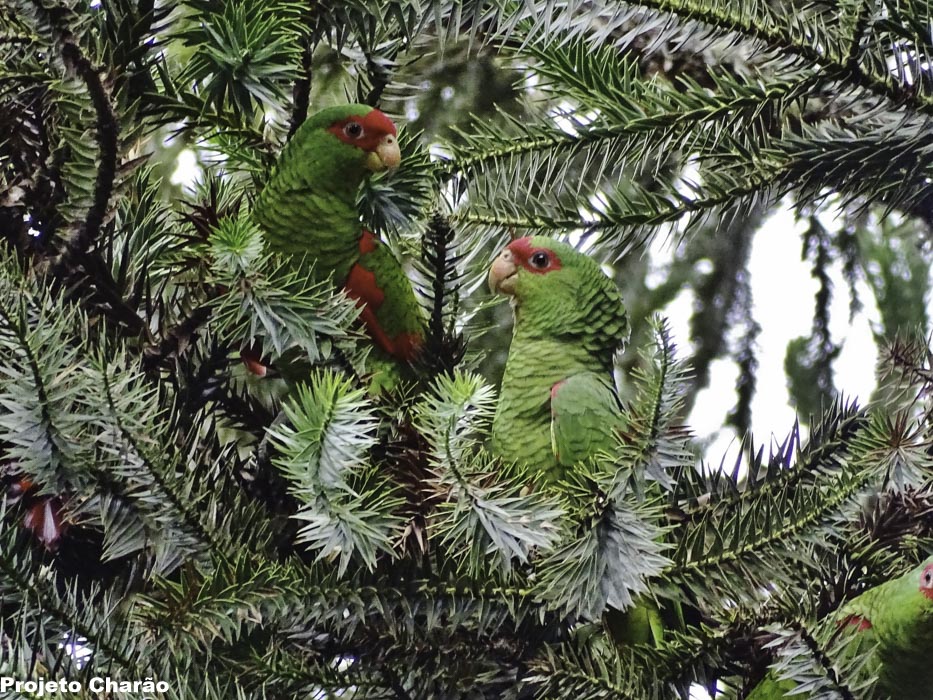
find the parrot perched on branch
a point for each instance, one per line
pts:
(308, 210)
(558, 403)
(894, 624)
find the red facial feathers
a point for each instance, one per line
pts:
(534, 259)
(926, 581)
(365, 132)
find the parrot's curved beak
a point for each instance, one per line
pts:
(503, 274)
(386, 155)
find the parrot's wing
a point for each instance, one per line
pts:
(392, 314)
(859, 612)
(585, 413)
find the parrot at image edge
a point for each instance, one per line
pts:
(308, 210)
(558, 403)
(894, 624)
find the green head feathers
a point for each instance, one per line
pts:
(560, 293)
(346, 142)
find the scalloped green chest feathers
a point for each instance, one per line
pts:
(558, 404)
(522, 424)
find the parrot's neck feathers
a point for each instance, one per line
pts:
(598, 348)
(557, 356)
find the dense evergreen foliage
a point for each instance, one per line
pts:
(169, 515)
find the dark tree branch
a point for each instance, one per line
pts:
(820, 656)
(861, 27)
(76, 260)
(395, 684)
(780, 38)
(443, 347)
(107, 139)
(441, 235)
(301, 92)
(176, 338)
(379, 78)
(717, 296)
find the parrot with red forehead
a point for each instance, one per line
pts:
(308, 210)
(558, 403)
(894, 624)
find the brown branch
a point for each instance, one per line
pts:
(96, 271)
(77, 249)
(379, 78)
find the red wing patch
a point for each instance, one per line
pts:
(367, 242)
(361, 285)
(860, 623)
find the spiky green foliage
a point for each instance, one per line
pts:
(482, 516)
(250, 538)
(265, 299)
(347, 509)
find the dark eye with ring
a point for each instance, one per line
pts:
(353, 130)
(540, 260)
(928, 578)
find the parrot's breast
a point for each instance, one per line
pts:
(521, 428)
(314, 225)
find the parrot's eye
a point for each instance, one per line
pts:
(540, 260)
(926, 581)
(354, 130)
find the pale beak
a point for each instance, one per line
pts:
(386, 156)
(503, 274)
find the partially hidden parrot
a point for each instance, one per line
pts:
(308, 210)
(894, 624)
(558, 403)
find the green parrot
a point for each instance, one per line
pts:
(308, 210)
(558, 403)
(894, 624)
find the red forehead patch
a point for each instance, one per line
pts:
(534, 258)
(365, 132)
